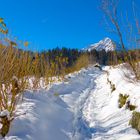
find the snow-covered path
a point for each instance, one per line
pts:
(81, 108)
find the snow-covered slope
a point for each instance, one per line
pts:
(81, 108)
(105, 44)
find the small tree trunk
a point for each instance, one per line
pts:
(5, 126)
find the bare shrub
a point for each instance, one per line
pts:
(83, 61)
(12, 85)
(110, 9)
(135, 121)
(14, 68)
(122, 100)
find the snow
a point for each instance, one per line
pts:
(4, 113)
(105, 44)
(81, 108)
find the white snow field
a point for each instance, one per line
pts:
(81, 108)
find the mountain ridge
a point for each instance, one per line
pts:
(106, 44)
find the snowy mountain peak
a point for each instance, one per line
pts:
(106, 44)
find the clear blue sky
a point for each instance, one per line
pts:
(50, 23)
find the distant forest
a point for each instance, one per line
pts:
(102, 57)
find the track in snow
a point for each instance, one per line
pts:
(82, 111)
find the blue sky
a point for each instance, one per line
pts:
(50, 23)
